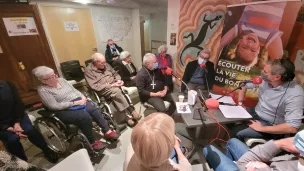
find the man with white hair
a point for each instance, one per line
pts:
(102, 78)
(126, 69)
(152, 86)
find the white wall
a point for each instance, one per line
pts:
(158, 26)
(172, 26)
(130, 43)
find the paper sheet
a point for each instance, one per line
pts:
(234, 112)
(225, 99)
(183, 107)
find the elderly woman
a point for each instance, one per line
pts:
(71, 106)
(152, 141)
(126, 69)
(164, 60)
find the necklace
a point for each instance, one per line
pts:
(152, 78)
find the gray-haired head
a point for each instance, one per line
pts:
(97, 57)
(124, 54)
(162, 48)
(148, 58)
(41, 71)
(109, 40)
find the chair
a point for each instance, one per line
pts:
(58, 135)
(80, 157)
(72, 70)
(253, 141)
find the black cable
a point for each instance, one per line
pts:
(279, 103)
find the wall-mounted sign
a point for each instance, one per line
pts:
(20, 26)
(71, 26)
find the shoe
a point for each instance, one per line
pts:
(136, 115)
(51, 156)
(112, 135)
(98, 145)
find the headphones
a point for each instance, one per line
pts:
(289, 67)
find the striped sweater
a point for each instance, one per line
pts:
(58, 98)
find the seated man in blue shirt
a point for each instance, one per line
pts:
(281, 101)
(196, 77)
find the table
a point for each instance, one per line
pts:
(198, 124)
(192, 123)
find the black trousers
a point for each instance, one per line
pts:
(83, 120)
(12, 140)
(159, 105)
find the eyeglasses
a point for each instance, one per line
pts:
(51, 77)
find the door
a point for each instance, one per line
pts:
(71, 32)
(21, 53)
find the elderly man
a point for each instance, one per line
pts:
(281, 101)
(102, 78)
(260, 158)
(197, 77)
(112, 52)
(126, 69)
(152, 86)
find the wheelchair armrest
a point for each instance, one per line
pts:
(46, 113)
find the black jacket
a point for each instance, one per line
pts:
(190, 69)
(143, 83)
(11, 106)
(109, 54)
(124, 72)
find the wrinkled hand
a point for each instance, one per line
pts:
(286, 144)
(11, 129)
(163, 93)
(256, 125)
(17, 127)
(80, 102)
(120, 83)
(251, 166)
(85, 100)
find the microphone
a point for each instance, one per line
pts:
(169, 71)
(254, 80)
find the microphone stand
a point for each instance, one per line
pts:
(238, 88)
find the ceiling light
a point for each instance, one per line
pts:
(82, 1)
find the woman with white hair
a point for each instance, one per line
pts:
(126, 69)
(71, 106)
(152, 141)
(164, 61)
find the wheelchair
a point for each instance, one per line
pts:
(58, 135)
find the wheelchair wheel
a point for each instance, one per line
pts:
(111, 122)
(55, 139)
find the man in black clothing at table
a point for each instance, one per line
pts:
(15, 124)
(152, 86)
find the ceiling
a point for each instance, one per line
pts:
(145, 6)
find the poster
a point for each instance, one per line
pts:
(299, 67)
(71, 26)
(252, 35)
(20, 26)
(173, 39)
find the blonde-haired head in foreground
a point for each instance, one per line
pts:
(153, 140)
